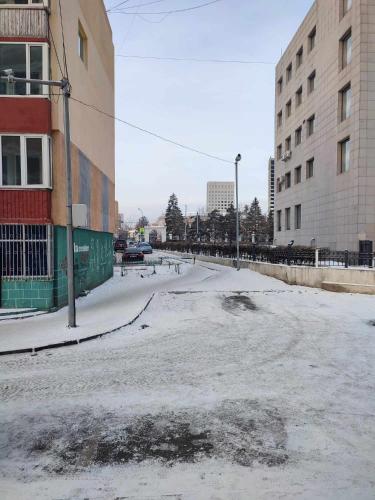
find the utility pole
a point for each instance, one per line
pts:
(64, 85)
(197, 226)
(238, 158)
(69, 211)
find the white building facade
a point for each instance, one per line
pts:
(220, 195)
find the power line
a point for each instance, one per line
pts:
(163, 18)
(168, 11)
(54, 47)
(127, 34)
(63, 40)
(117, 5)
(165, 139)
(142, 5)
(189, 59)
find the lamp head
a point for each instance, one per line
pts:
(238, 157)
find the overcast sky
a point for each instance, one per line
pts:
(221, 109)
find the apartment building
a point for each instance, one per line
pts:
(325, 128)
(271, 185)
(32, 161)
(220, 195)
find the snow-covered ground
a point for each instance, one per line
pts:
(109, 306)
(231, 385)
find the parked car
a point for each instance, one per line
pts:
(120, 245)
(133, 254)
(145, 247)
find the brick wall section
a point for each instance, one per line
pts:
(25, 206)
(25, 115)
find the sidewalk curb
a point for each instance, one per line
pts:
(18, 316)
(67, 343)
(20, 311)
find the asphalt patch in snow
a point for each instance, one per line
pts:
(239, 431)
(235, 303)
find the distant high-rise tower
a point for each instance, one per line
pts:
(271, 185)
(220, 195)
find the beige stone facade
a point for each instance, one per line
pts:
(220, 195)
(91, 75)
(325, 128)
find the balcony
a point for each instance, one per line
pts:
(30, 23)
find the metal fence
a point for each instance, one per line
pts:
(25, 250)
(298, 256)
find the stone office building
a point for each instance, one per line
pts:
(325, 128)
(271, 185)
(32, 164)
(220, 195)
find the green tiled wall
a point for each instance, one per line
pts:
(93, 261)
(27, 293)
(93, 264)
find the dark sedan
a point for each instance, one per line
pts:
(119, 245)
(133, 254)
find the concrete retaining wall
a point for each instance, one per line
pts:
(309, 276)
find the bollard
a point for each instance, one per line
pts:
(346, 257)
(169, 264)
(154, 270)
(194, 259)
(316, 257)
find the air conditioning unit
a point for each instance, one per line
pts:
(286, 156)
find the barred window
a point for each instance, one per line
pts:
(25, 250)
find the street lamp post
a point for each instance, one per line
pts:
(64, 85)
(238, 158)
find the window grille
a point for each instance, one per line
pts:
(25, 250)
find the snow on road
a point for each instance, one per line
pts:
(231, 385)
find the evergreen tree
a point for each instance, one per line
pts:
(174, 219)
(270, 229)
(142, 222)
(215, 226)
(230, 224)
(198, 232)
(256, 222)
(153, 236)
(244, 224)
